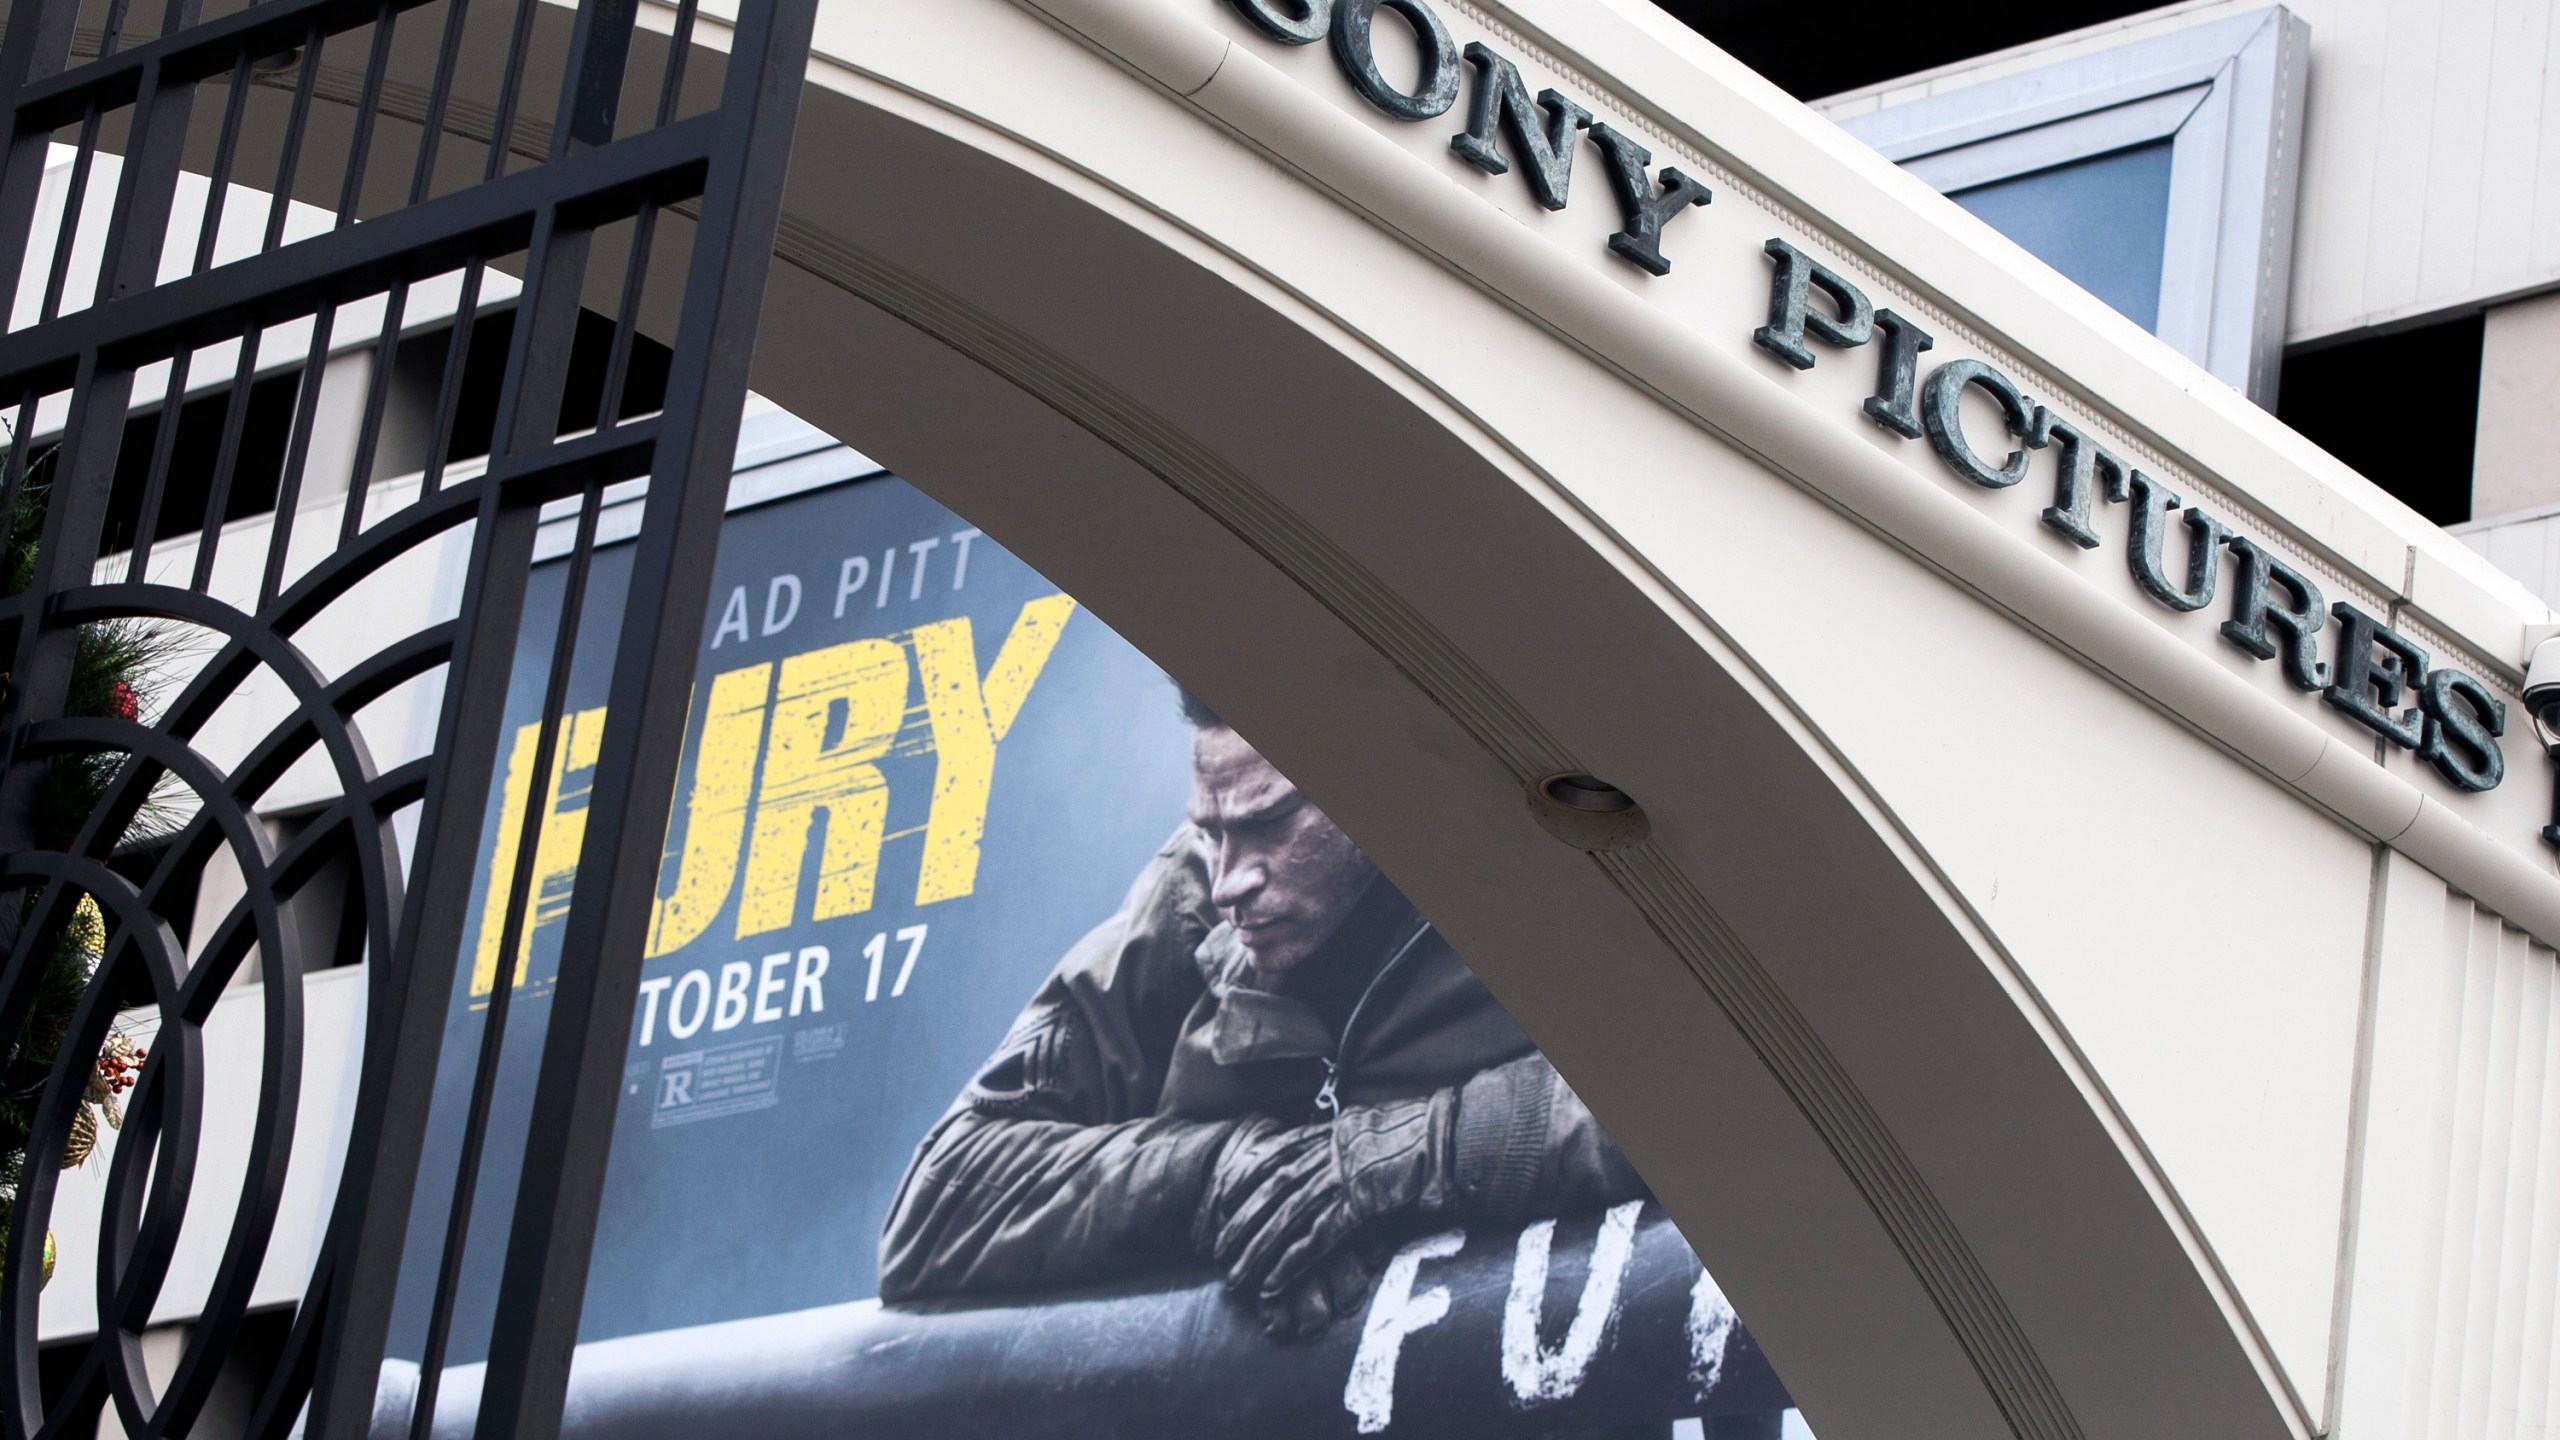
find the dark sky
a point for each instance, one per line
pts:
(1813, 48)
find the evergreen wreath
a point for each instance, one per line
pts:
(115, 668)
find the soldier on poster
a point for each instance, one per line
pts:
(1267, 1062)
(1159, 1118)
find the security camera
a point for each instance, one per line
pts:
(2542, 686)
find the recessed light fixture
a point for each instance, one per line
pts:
(1587, 793)
(1587, 812)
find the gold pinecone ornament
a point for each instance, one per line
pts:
(119, 1065)
(84, 1138)
(47, 1277)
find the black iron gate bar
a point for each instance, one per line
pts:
(728, 164)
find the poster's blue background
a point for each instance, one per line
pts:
(780, 1208)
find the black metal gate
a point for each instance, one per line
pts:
(114, 816)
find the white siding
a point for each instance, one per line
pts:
(2525, 545)
(2431, 151)
(2456, 1258)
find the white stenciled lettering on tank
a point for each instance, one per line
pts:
(1711, 1327)
(1536, 1373)
(1396, 1310)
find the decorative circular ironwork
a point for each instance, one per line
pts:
(72, 563)
(141, 960)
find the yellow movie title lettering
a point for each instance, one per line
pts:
(555, 851)
(782, 746)
(969, 716)
(859, 690)
(715, 815)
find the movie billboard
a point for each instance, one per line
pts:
(1019, 1054)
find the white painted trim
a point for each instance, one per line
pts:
(2229, 93)
(2512, 517)
(2023, 152)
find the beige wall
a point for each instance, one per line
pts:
(2516, 463)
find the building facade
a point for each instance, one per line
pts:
(2078, 958)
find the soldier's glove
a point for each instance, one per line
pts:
(1305, 1193)
(1335, 1291)
(1259, 1153)
(1258, 1149)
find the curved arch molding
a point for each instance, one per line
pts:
(1991, 1004)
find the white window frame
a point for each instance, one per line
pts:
(2227, 94)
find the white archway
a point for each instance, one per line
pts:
(1994, 1002)
(1254, 493)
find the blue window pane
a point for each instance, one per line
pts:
(2102, 221)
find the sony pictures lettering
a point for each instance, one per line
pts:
(2451, 720)
(2373, 674)
(1543, 139)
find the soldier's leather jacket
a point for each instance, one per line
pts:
(1080, 1152)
